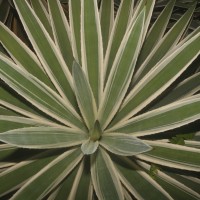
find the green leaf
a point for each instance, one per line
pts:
(121, 73)
(149, 7)
(14, 177)
(104, 177)
(165, 44)
(162, 119)
(157, 80)
(188, 181)
(123, 144)
(61, 31)
(75, 27)
(14, 122)
(5, 111)
(82, 182)
(12, 102)
(156, 32)
(6, 150)
(43, 137)
(175, 188)
(89, 146)
(22, 55)
(186, 88)
(194, 144)
(172, 155)
(38, 94)
(84, 96)
(120, 25)
(137, 181)
(54, 172)
(42, 14)
(107, 20)
(92, 47)
(46, 51)
(66, 186)
(5, 9)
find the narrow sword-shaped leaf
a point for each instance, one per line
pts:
(127, 195)
(123, 144)
(5, 111)
(164, 45)
(104, 176)
(158, 79)
(121, 73)
(184, 89)
(75, 27)
(82, 182)
(156, 32)
(195, 144)
(162, 119)
(5, 8)
(65, 187)
(42, 14)
(84, 95)
(6, 150)
(5, 165)
(172, 155)
(12, 102)
(92, 47)
(148, 15)
(37, 93)
(43, 137)
(46, 51)
(176, 189)
(14, 177)
(136, 180)
(119, 28)
(107, 20)
(22, 55)
(61, 31)
(14, 122)
(188, 181)
(15, 107)
(54, 172)
(37, 119)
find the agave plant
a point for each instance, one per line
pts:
(93, 109)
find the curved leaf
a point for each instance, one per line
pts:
(38, 94)
(123, 144)
(162, 119)
(54, 172)
(172, 155)
(104, 177)
(84, 95)
(159, 78)
(43, 137)
(92, 47)
(61, 31)
(121, 72)
(137, 181)
(46, 51)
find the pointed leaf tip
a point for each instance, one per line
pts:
(124, 144)
(84, 95)
(96, 132)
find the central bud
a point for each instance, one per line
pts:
(96, 132)
(91, 145)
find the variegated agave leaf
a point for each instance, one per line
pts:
(98, 107)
